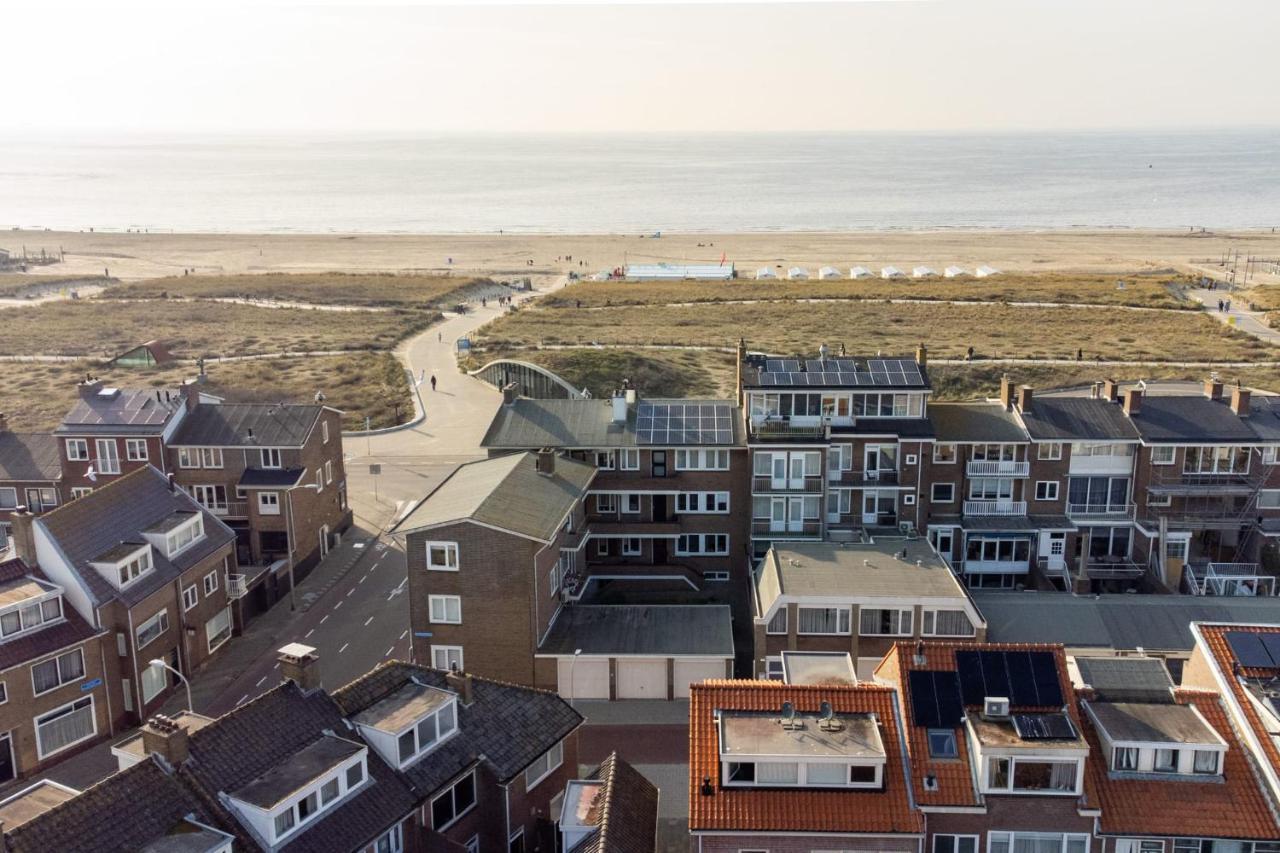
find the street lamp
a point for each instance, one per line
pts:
(157, 662)
(288, 508)
(572, 666)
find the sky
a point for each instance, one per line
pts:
(897, 65)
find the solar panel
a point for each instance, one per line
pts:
(995, 672)
(1271, 642)
(1249, 650)
(972, 684)
(1026, 678)
(1044, 668)
(684, 423)
(935, 699)
(1022, 683)
(1044, 727)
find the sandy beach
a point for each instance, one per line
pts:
(140, 255)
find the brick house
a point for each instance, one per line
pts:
(613, 810)
(30, 474)
(139, 559)
(52, 686)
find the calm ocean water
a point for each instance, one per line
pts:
(642, 183)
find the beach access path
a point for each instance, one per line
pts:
(1250, 322)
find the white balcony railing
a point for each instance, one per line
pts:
(998, 468)
(995, 508)
(1100, 511)
(236, 587)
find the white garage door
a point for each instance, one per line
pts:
(585, 678)
(692, 670)
(642, 678)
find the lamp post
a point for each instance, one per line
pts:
(572, 666)
(288, 508)
(157, 662)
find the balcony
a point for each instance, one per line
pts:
(1100, 512)
(231, 509)
(786, 530)
(236, 587)
(998, 508)
(1112, 568)
(809, 485)
(1229, 579)
(864, 479)
(999, 468)
(786, 428)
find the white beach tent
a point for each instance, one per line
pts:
(985, 271)
(828, 272)
(797, 273)
(603, 275)
(766, 272)
(861, 272)
(892, 272)
(955, 272)
(923, 272)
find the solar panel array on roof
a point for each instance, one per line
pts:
(684, 423)
(1044, 726)
(935, 699)
(1029, 679)
(1255, 651)
(879, 372)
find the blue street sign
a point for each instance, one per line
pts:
(422, 633)
(89, 685)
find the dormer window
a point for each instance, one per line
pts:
(184, 536)
(1157, 737)
(409, 723)
(427, 732)
(800, 750)
(125, 564)
(135, 568)
(41, 606)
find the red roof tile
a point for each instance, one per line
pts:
(802, 810)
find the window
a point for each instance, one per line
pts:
(1047, 490)
(284, 822)
(152, 628)
(543, 765)
(8, 498)
(218, 629)
(268, 503)
(1125, 758)
(702, 460)
(944, 454)
(108, 456)
(874, 622)
(446, 657)
(1269, 455)
(427, 732)
(328, 471)
(442, 556)
(1206, 761)
(453, 803)
(631, 546)
(135, 568)
(211, 497)
(942, 493)
(1049, 450)
(704, 544)
(28, 617)
(211, 583)
(473, 844)
(1267, 499)
(77, 450)
(631, 503)
(355, 775)
(190, 597)
(942, 743)
(80, 491)
(606, 504)
(1025, 774)
(392, 841)
(955, 843)
(1162, 455)
(945, 623)
(515, 844)
(186, 535)
(65, 727)
(135, 449)
(1140, 845)
(824, 620)
(446, 609)
(188, 457)
(53, 673)
(629, 459)
(324, 432)
(778, 624)
(1036, 842)
(153, 679)
(319, 480)
(270, 457)
(604, 460)
(1216, 460)
(602, 547)
(1166, 761)
(702, 502)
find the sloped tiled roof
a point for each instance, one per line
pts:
(230, 425)
(981, 421)
(1215, 637)
(140, 410)
(800, 810)
(29, 457)
(628, 809)
(39, 643)
(1236, 807)
(118, 512)
(1077, 419)
(507, 724)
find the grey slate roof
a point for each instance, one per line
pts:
(30, 457)
(135, 410)
(528, 424)
(505, 492)
(1129, 679)
(980, 422)
(904, 427)
(641, 629)
(508, 725)
(1185, 418)
(270, 478)
(230, 424)
(1077, 419)
(118, 512)
(627, 809)
(1155, 622)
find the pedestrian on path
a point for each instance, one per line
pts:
(433, 382)
(1228, 306)
(1219, 306)
(440, 337)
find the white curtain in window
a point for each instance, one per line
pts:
(827, 774)
(66, 729)
(1063, 777)
(777, 773)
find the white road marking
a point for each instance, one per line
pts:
(389, 651)
(344, 648)
(405, 634)
(242, 700)
(309, 633)
(353, 589)
(326, 616)
(367, 621)
(336, 606)
(362, 578)
(260, 680)
(399, 589)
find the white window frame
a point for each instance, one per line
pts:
(629, 459)
(188, 457)
(553, 758)
(444, 601)
(1047, 483)
(268, 503)
(324, 431)
(606, 504)
(447, 651)
(59, 711)
(190, 597)
(173, 544)
(112, 455)
(955, 454)
(80, 491)
(1160, 460)
(450, 550)
(160, 616)
(212, 643)
(8, 497)
(211, 583)
(604, 460)
(270, 457)
(135, 450)
(77, 450)
(843, 618)
(1049, 451)
(1009, 837)
(929, 622)
(905, 616)
(630, 500)
(933, 493)
(328, 471)
(56, 660)
(632, 546)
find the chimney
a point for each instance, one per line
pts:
(301, 665)
(1132, 401)
(545, 462)
(1006, 391)
(509, 394)
(1240, 401)
(1110, 390)
(1213, 388)
(1024, 398)
(166, 738)
(460, 682)
(173, 486)
(89, 387)
(620, 407)
(922, 355)
(190, 396)
(22, 533)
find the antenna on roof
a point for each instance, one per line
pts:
(827, 717)
(788, 715)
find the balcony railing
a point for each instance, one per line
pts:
(785, 530)
(1012, 508)
(236, 587)
(883, 477)
(788, 484)
(780, 428)
(1229, 579)
(230, 509)
(997, 468)
(1112, 568)
(1100, 511)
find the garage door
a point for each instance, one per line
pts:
(692, 670)
(585, 678)
(642, 679)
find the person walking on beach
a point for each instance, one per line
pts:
(433, 382)
(1219, 306)
(440, 337)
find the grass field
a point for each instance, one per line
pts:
(97, 328)
(14, 284)
(1146, 290)
(36, 395)
(994, 331)
(318, 288)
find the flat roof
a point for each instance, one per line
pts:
(33, 801)
(402, 708)
(189, 837)
(188, 720)
(1124, 679)
(307, 764)
(1152, 722)
(118, 552)
(887, 568)
(1002, 734)
(689, 630)
(818, 668)
(171, 522)
(751, 733)
(22, 589)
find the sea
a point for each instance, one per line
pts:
(645, 183)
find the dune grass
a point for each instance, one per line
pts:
(316, 288)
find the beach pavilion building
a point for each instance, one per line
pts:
(797, 273)
(985, 271)
(828, 273)
(861, 272)
(765, 272)
(679, 272)
(923, 272)
(892, 272)
(955, 272)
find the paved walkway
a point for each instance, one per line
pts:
(1249, 322)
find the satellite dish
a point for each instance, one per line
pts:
(827, 712)
(788, 712)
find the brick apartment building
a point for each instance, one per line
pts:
(139, 559)
(110, 432)
(30, 474)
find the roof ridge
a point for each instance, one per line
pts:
(608, 777)
(279, 688)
